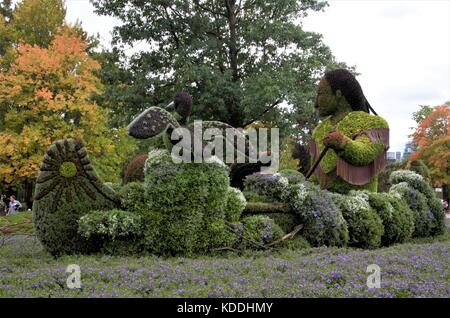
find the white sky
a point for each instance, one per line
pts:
(400, 47)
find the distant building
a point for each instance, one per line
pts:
(393, 157)
(390, 156)
(408, 150)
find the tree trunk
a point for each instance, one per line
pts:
(236, 116)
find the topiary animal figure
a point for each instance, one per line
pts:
(156, 121)
(67, 188)
(357, 141)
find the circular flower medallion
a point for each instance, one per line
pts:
(68, 169)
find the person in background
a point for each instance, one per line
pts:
(14, 205)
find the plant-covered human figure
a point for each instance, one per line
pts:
(357, 140)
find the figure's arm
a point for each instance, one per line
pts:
(358, 152)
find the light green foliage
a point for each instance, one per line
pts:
(235, 204)
(357, 152)
(259, 230)
(364, 225)
(68, 169)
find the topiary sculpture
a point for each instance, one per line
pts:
(156, 121)
(67, 187)
(357, 141)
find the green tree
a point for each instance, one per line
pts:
(241, 60)
(37, 21)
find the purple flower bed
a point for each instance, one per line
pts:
(408, 270)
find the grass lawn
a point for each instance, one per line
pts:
(417, 269)
(20, 223)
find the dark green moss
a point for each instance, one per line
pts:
(63, 195)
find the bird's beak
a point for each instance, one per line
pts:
(171, 106)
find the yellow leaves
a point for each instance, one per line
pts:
(49, 90)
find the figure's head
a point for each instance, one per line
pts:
(339, 91)
(12, 197)
(182, 104)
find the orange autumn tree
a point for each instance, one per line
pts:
(432, 138)
(46, 94)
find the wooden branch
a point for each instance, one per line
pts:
(265, 208)
(289, 235)
(263, 113)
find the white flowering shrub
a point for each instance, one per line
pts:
(112, 224)
(269, 185)
(216, 161)
(235, 204)
(155, 158)
(364, 225)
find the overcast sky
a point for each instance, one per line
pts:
(400, 47)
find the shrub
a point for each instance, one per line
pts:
(286, 221)
(235, 204)
(253, 197)
(383, 177)
(134, 172)
(109, 224)
(364, 225)
(134, 197)
(259, 230)
(397, 218)
(417, 182)
(417, 202)
(63, 195)
(292, 175)
(269, 185)
(187, 201)
(323, 221)
(297, 243)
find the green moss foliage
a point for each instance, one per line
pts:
(62, 197)
(357, 152)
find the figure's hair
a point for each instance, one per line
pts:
(344, 81)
